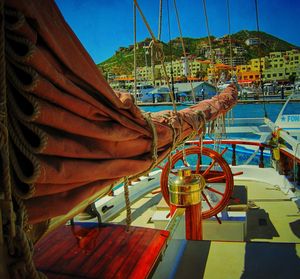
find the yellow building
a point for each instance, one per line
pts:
(277, 66)
(195, 66)
(256, 62)
(281, 65)
(249, 76)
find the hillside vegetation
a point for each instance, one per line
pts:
(122, 61)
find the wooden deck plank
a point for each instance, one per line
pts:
(131, 262)
(86, 250)
(49, 246)
(125, 253)
(147, 258)
(108, 251)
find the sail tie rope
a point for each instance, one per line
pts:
(154, 158)
(127, 203)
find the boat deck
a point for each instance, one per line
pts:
(229, 260)
(271, 247)
(274, 218)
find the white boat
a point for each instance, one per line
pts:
(289, 117)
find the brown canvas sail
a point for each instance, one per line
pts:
(71, 137)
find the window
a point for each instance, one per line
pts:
(268, 75)
(280, 74)
(274, 75)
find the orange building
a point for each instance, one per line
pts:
(252, 76)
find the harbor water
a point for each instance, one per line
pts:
(239, 111)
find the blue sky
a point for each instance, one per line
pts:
(104, 25)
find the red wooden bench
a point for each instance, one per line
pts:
(105, 251)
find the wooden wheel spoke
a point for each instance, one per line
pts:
(224, 150)
(216, 179)
(198, 165)
(207, 201)
(215, 191)
(238, 173)
(218, 219)
(209, 168)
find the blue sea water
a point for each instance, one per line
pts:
(239, 111)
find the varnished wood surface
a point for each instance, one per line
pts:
(108, 251)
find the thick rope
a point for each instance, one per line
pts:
(34, 161)
(154, 158)
(127, 203)
(6, 199)
(18, 243)
(25, 267)
(154, 155)
(19, 19)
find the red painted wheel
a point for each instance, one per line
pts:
(215, 170)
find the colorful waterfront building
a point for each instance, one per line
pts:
(192, 68)
(282, 65)
(276, 67)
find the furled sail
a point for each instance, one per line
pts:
(71, 137)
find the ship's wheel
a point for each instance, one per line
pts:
(215, 170)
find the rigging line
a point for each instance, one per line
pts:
(259, 54)
(229, 34)
(161, 54)
(183, 48)
(171, 51)
(134, 53)
(209, 42)
(145, 20)
(159, 20)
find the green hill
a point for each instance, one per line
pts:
(122, 61)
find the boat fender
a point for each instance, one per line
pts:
(275, 144)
